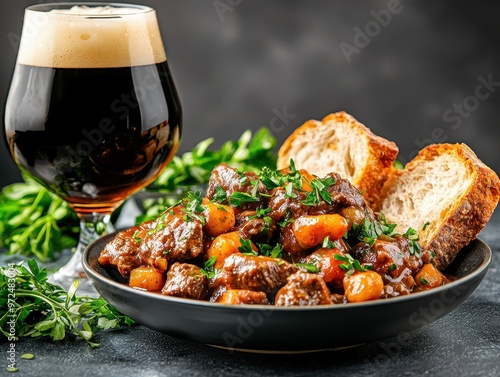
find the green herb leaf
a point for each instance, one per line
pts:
(350, 264)
(194, 168)
(45, 310)
(423, 281)
(328, 244)
(246, 247)
(412, 236)
(220, 195)
(35, 222)
(238, 198)
(269, 251)
(308, 266)
(208, 269)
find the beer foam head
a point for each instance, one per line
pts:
(91, 37)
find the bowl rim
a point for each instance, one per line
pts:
(95, 275)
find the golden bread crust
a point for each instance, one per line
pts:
(379, 162)
(470, 212)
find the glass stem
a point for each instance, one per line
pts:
(92, 226)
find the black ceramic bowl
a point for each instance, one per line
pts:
(293, 329)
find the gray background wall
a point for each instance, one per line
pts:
(237, 68)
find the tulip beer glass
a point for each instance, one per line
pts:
(92, 112)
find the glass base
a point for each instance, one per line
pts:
(67, 274)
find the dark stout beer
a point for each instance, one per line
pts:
(96, 128)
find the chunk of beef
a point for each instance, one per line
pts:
(401, 285)
(255, 273)
(255, 228)
(289, 241)
(343, 195)
(185, 280)
(393, 261)
(387, 257)
(230, 181)
(123, 251)
(243, 296)
(303, 289)
(172, 238)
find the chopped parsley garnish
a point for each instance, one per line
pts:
(432, 254)
(328, 244)
(289, 191)
(350, 264)
(193, 207)
(424, 282)
(159, 227)
(246, 248)
(136, 237)
(238, 198)
(220, 195)
(412, 236)
(319, 192)
(268, 251)
(208, 268)
(287, 220)
(426, 225)
(392, 267)
(262, 213)
(307, 266)
(272, 179)
(387, 229)
(369, 231)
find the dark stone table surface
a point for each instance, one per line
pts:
(465, 342)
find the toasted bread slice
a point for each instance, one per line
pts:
(341, 144)
(446, 194)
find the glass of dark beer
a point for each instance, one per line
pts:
(92, 112)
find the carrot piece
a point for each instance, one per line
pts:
(223, 246)
(220, 219)
(429, 277)
(148, 278)
(363, 286)
(328, 265)
(312, 230)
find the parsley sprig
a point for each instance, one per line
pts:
(238, 198)
(249, 152)
(246, 247)
(309, 267)
(35, 222)
(193, 207)
(369, 231)
(42, 309)
(350, 264)
(269, 251)
(320, 191)
(412, 236)
(208, 268)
